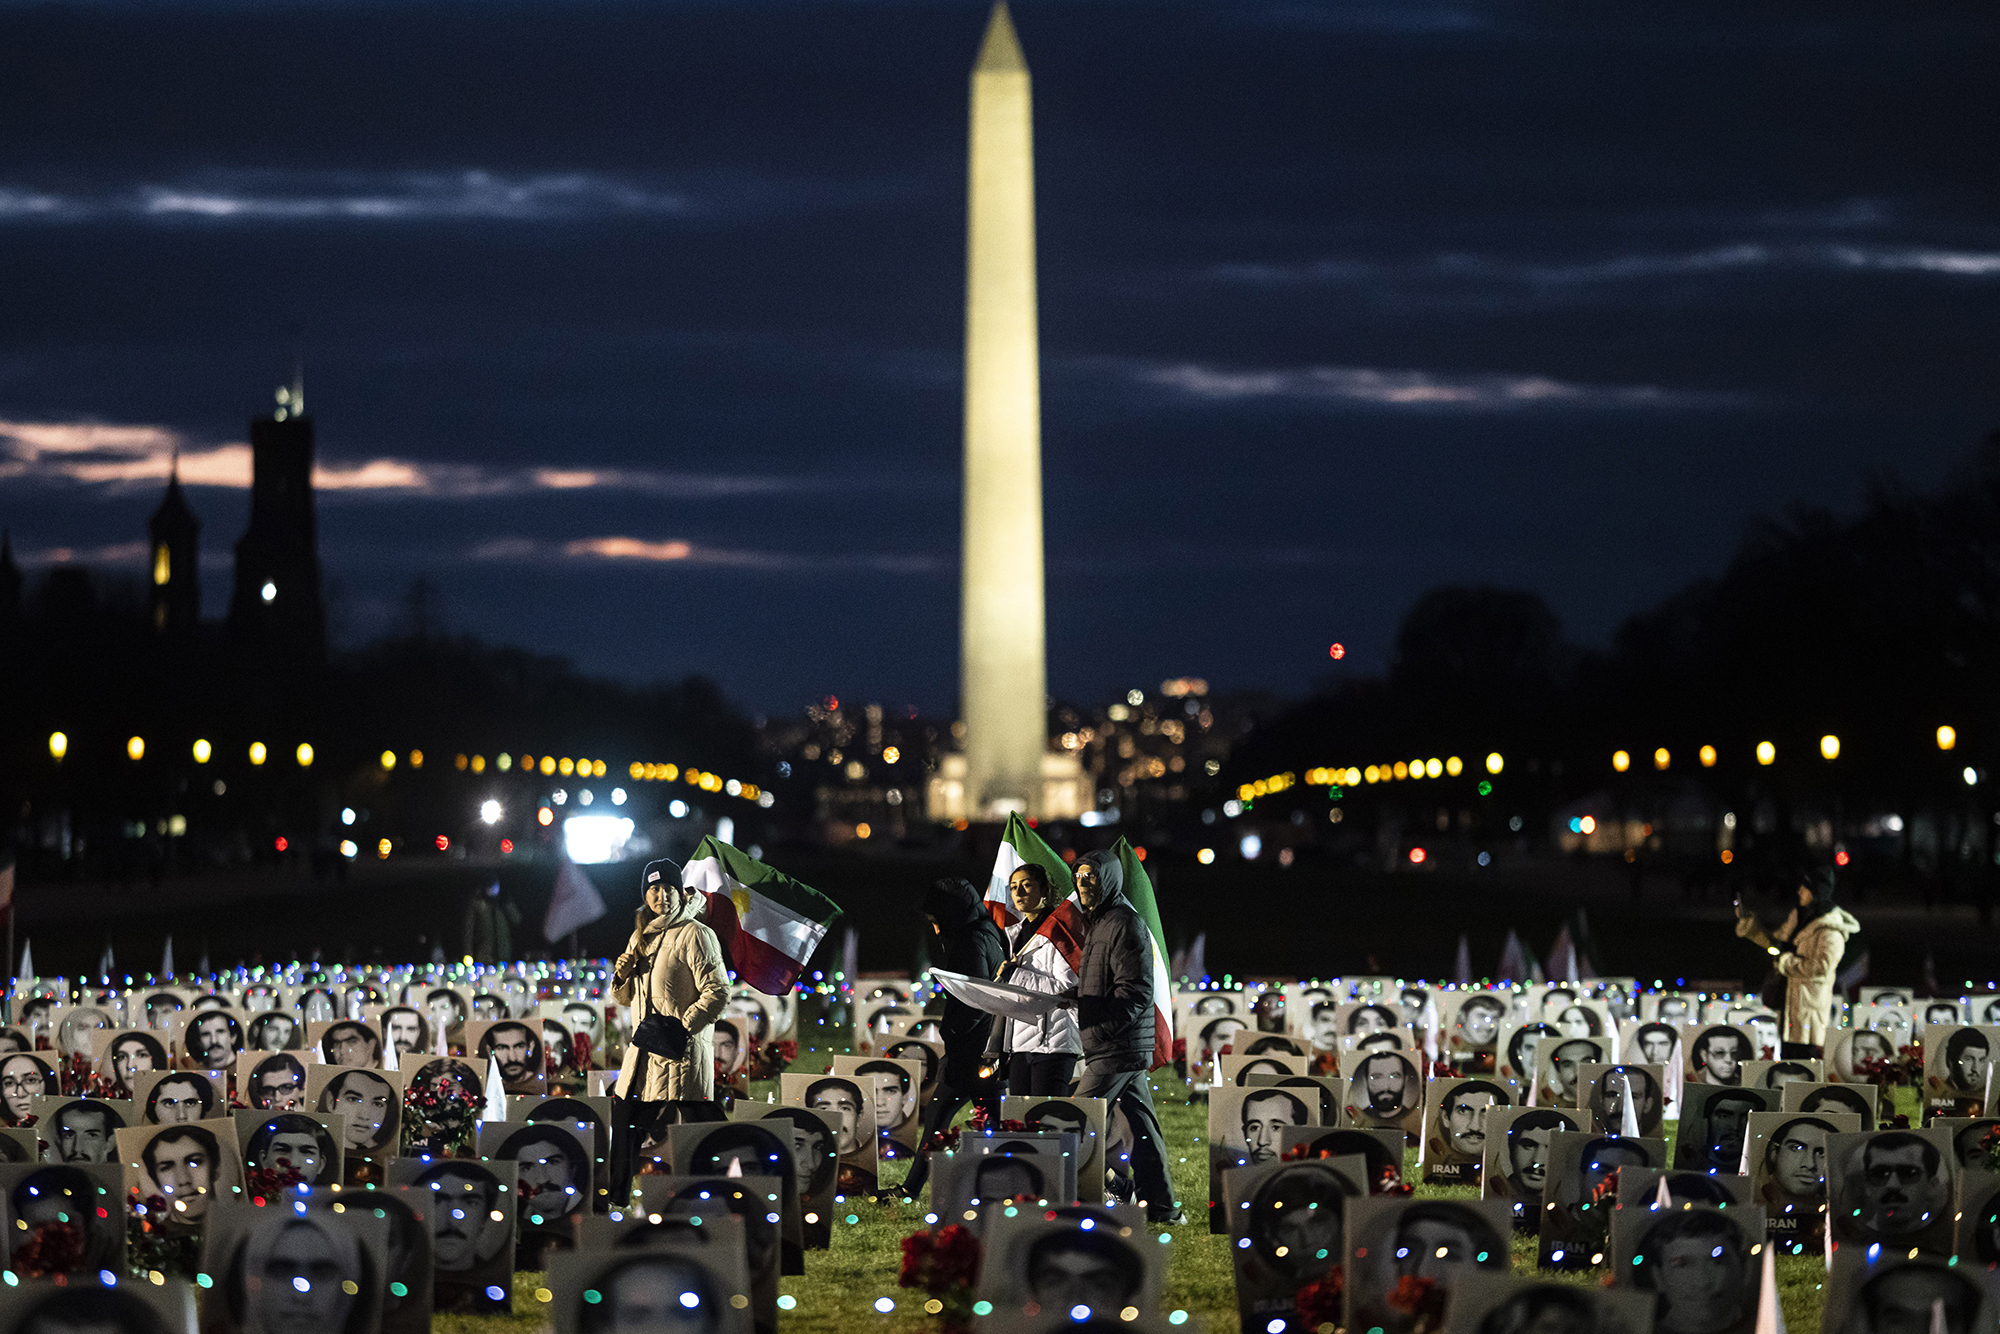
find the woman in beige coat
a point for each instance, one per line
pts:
(1806, 950)
(671, 966)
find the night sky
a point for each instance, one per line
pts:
(637, 329)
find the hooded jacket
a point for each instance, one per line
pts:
(1037, 966)
(1114, 1000)
(972, 944)
(1809, 956)
(684, 977)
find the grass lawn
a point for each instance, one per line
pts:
(839, 1292)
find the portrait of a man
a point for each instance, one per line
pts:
(1908, 1295)
(294, 1142)
(1220, 1033)
(300, 1274)
(518, 1050)
(407, 1030)
(1565, 1060)
(1781, 1073)
(1262, 1114)
(82, 1132)
(840, 1101)
(1968, 1143)
(1890, 1186)
(471, 1215)
(278, 1084)
(1716, 1056)
(1698, 1263)
(751, 1018)
(185, 1164)
(24, 1078)
(1523, 1047)
(1614, 1087)
(1714, 1125)
(1372, 1019)
(274, 1030)
(1438, 1240)
(214, 1040)
(1578, 1021)
(1095, 1269)
(1479, 1019)
(350, 1042)
(447, 1009)
(1584, 1181)
(1006, 1176)
(554, 1170)
(654, 1293)
(1213, 1003)
(1839, 1098)
(1656, 1043)
(923, 1053)
(1795, 1162)
(1296, 1214)
(1863, 1048)
(1968, 1061)
(1530, 1139)
(1325, 1026)
(179, 1098)
(894, 1092)
(371, 1109)
(1458, 1129)
(813, 1157)
(728, 1045)
(1942, 1012)
(1384, 1091)
(582, 1017)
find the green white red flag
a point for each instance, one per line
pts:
(1139, 889)
(768, 923)
(1020, 846)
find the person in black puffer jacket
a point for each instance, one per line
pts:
(1114, 1008)
(971, 944)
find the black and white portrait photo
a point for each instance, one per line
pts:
(1699, 1265)
(1519, 1144)
(1386, 1090)
(177, 1097)
(1892, 1187)
(1455, 1128)
(472, 1229)
(369, 1103)
(1715, 1125)
(292, 1143)
(1388, 1238)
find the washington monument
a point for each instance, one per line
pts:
(1002, 633)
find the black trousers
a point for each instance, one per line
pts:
(944, 1106)
(1127, 1091)
(1040, 1075)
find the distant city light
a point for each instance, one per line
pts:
(1135, 697)
(863, 830)
(1494, 764)
(305, 755)
(1453, 766)
(1947, 737)
(202, 751)
(348, 848)
(1433, 767)
(585, 796)
(1766, 753)
(592, 840)
(677, 808)
(506, 845)
(617, 796)
(258, 752)
(1250, 845)
(270, 592)
(1337, 651)
(891, 754)
(388, 759)
(382, 848)
(1417, 856)
(136, 748)
(1621, 760)
(489, 811)
(443, 843)
(1708, 757)
(347, 815)
(1662, 758)
(1206, 856)
(545, 816)
(1829, 747)
(281, 843)
(1971, 776)
(58, 745)
(416, 759)
(1587, 825)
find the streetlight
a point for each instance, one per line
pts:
(1947, 736)
(1662, 758)
(202, 750)
(1494, 764)
(489, 811)
(58, 746)
(1708, 757)
(1620, 761)
(258, 752)
(1829, 747)
(1766, 753)
(136, 748)
(305, 755)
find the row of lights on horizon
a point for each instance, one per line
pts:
(1767, 752)
(1339, 776)
(202, 750)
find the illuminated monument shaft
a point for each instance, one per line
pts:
(1004, 673)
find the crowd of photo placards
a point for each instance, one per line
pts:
(352, 1155)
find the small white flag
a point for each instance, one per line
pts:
(1630, 1124)
(389, 1061)
(735, 1167)
(1770, 1316)
(167, 959)
(27, 960)
(496, 1095)
(1663, 1199)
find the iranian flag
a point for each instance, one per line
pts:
(768, 923)
(1139, 889)
(1019, 846)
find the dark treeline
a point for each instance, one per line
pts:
(1877, 629)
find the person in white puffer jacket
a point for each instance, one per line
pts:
(1037, 1056)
